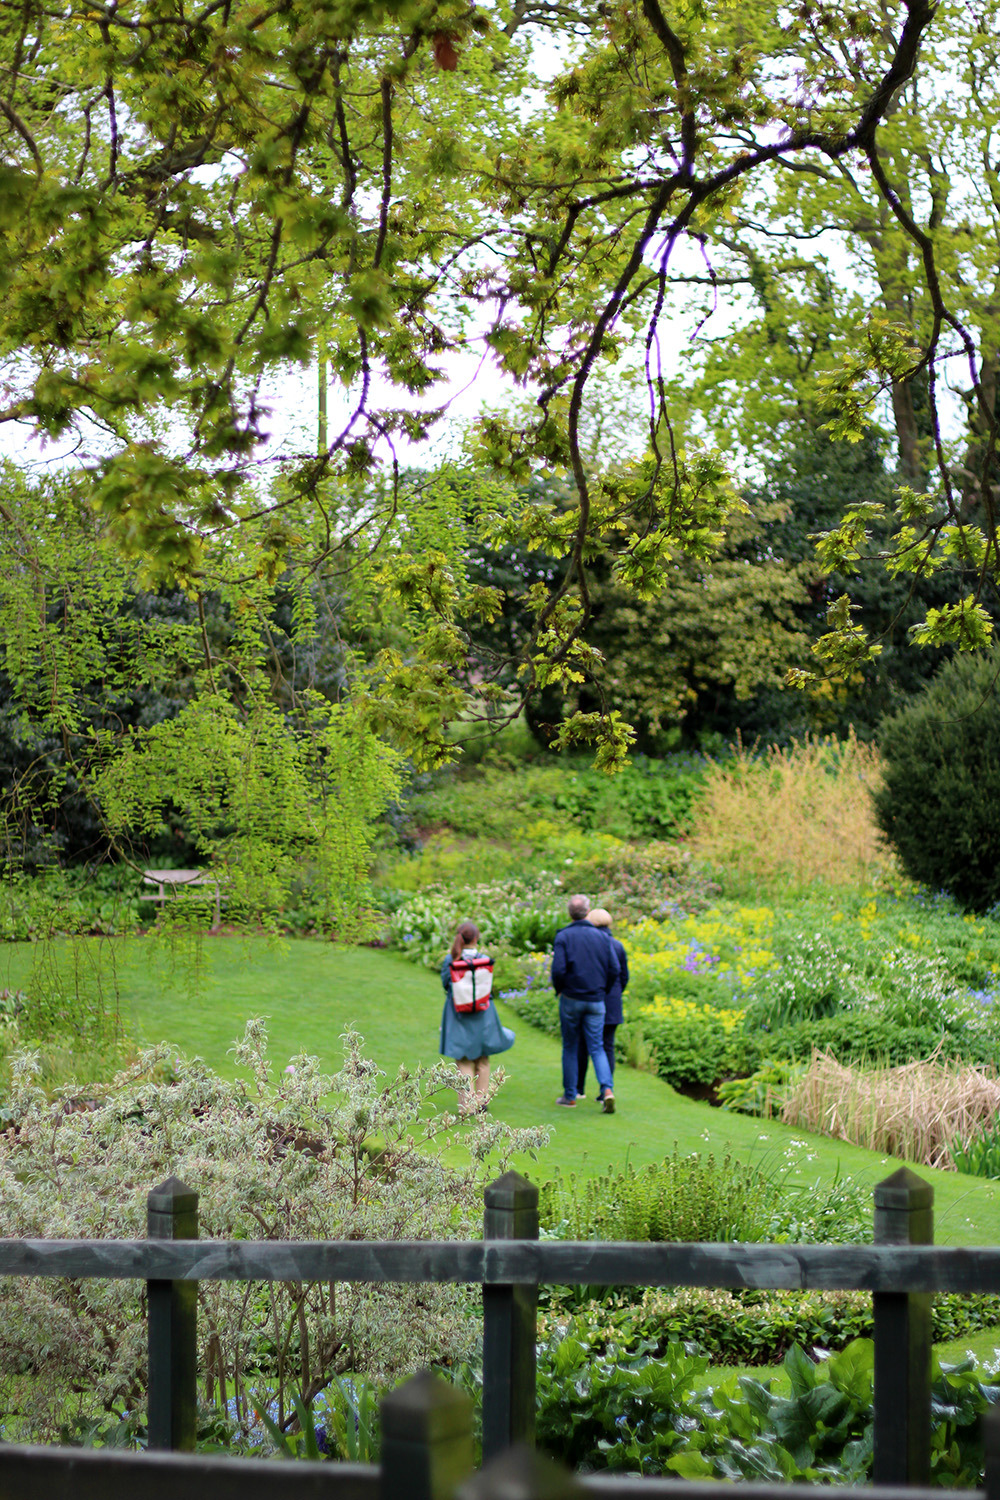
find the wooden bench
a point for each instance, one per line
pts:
(174, 883)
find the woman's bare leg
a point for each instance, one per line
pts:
(467, 1097)
(482, 1066)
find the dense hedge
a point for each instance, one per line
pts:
(939, 802)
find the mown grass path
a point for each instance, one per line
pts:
(310, 992)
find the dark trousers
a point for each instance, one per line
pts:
(583, 1055)
(582, 1019)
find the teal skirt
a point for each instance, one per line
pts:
(478, 1034)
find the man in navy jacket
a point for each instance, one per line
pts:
(584, 969)
(614, 1012)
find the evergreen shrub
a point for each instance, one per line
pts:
(939, 800)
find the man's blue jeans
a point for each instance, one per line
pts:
(586, 1016)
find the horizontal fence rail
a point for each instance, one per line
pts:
(866, 1268)
(29, 1473)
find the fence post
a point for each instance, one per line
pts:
(172, 1214)
(509, 1323)
(523, 1474)
(426, 1439)
(904, 1215)
(991, 1444)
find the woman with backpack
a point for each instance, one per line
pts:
(470, 1027)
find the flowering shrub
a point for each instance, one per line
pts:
(663, 1009)
(725, 948)
(523, 916)
(691, 1043)
(636, 881)
(352, 1156)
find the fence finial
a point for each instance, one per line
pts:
(522, 1474)
(426, 1439)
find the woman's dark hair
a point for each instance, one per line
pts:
(466, 935)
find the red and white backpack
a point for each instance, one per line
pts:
(471, 983)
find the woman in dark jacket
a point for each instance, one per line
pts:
(471, 1037)
(613, 1013)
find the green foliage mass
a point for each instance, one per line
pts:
(647, 1415)
(740, 1327)
(651, 799)
(195, 201)
(177, 723)
(699, 1197)
(940, 799)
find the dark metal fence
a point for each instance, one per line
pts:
(427, 1443)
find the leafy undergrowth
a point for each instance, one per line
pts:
(748, 1329)
(642, 1415)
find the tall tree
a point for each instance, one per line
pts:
(870, 294)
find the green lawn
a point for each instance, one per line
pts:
(311, 991)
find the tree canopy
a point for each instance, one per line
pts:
(194, 197)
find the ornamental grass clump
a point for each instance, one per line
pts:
(792, 817)
(914, 1112)
(309, 1156)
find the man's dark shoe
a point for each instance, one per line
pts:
(608, 1102)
